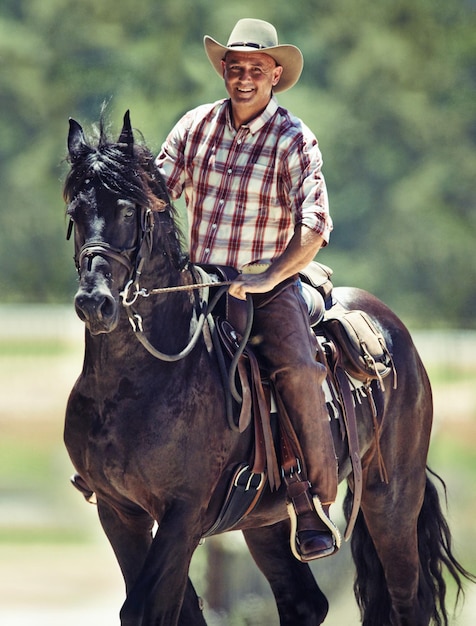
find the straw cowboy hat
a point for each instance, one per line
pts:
(250, 35)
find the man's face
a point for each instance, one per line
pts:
(250, 78)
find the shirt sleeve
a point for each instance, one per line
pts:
(170, 160)
(308, 191)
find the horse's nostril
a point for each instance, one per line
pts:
(82, 307)
(108, 308)
(80, 313)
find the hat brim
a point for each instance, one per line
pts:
(289, 57)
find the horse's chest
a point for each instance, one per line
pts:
(121, 426)
(96, 416)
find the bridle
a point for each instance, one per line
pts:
(134, 259)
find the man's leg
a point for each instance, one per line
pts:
(287, 349)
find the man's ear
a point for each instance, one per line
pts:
(278, 70)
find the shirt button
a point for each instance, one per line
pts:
(230, 171)
(239, 142)
(214, 226)
(207, 250)
(221, 201)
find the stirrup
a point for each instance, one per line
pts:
(326, 521)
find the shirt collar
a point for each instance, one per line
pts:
(258, 122)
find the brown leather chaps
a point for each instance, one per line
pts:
(286, 348)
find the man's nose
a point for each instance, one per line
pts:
(245, 74)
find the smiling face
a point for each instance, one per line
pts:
(249, 80)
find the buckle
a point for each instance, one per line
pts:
(249, 481)
(295, 469)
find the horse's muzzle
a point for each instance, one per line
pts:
(97, 309)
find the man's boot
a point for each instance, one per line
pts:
(313, 535)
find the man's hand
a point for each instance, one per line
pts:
(251, 283)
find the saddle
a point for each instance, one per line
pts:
(354, 351)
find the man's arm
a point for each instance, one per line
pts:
(301, 250)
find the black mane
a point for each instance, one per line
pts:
(129, 172)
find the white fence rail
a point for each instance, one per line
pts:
(59, 322)
(40, 322)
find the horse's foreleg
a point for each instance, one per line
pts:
(298, 597)
(163, 594)
(130, 538)
(191, 613)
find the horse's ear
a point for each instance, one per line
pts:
(127, 136)
(76, 139)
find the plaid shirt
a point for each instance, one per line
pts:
(245, 189)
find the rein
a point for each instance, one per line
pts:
(205, 315)
(203, 309)
(145, 293)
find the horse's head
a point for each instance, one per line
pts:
(114, 195)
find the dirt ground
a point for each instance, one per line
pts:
(75, 586)
(78, 585)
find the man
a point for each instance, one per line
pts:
(257, 201)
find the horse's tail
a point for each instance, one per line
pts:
(436, 555)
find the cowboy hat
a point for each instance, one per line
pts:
(250, 35)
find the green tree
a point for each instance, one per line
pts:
(392, 107)
(387, 87)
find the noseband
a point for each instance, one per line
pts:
(103, 249)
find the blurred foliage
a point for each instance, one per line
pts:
(388, 88)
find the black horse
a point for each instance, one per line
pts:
(151, 437)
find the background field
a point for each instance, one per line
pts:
(56, 566)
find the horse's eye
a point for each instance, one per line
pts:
(127, 209)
